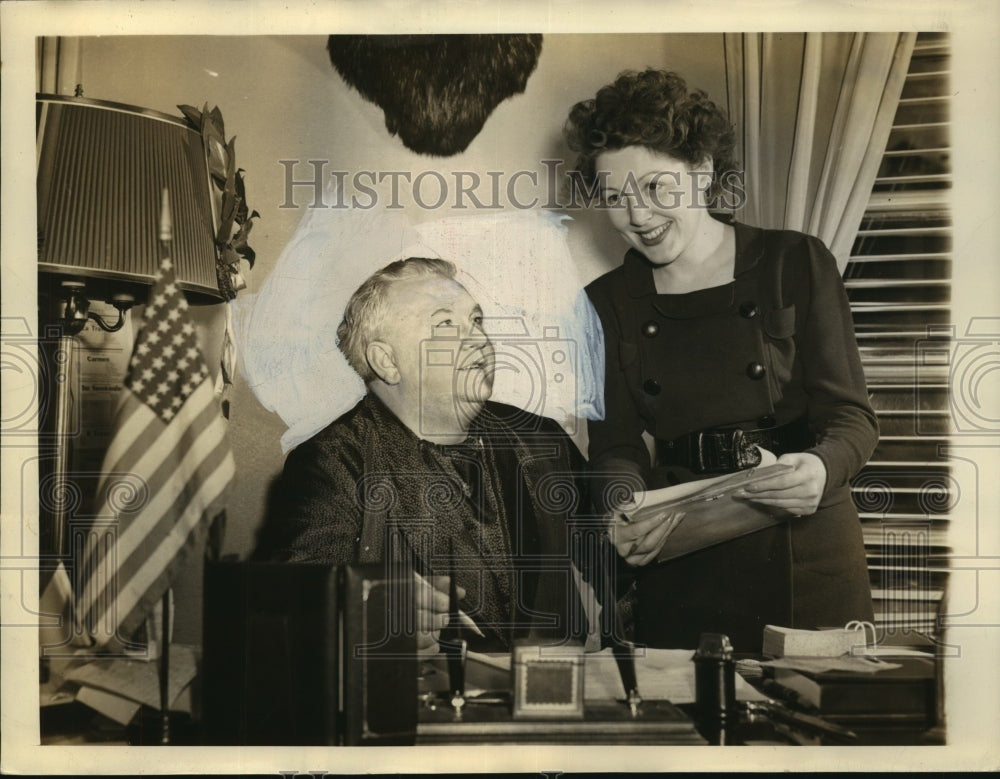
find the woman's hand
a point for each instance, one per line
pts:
(797, 491)
(639, 543)
(433, 610)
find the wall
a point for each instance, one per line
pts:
(282, 99)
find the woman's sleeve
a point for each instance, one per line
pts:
(618, 456)
(834, 381)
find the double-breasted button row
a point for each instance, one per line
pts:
(755, 371)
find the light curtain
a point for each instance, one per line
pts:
(812, 113)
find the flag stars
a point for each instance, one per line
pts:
(178, 339)
(168, 351)
(142, 348)
(147, 374)
(166, 264)
(152, 336)
(192, 353)
(174, 313)
(187, 328)
(163, 388)
(159, 300)
(163, 326)
(173, 376)
(176, 402)
(157, 363)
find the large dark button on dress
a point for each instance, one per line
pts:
(756, 371)
(650, 329)
(748, 310)
(652, 387)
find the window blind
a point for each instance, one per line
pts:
(899, 284)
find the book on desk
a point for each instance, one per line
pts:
(887, 694)
(904, 690)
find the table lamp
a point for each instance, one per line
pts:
(101, 169)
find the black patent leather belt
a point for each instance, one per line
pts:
(725, 450)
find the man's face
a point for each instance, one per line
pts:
(445, 360)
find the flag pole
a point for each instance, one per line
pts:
(166, 236)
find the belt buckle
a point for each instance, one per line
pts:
(745, 454)
(699, 453)
(713, 452)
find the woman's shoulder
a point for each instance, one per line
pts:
(607, 282)
(789, 240)
(765, 246)
(628, 280)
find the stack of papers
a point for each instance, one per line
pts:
(712, 512)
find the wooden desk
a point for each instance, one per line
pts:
(605, 722)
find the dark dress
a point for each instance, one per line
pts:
(774, 346)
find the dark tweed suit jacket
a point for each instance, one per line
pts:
(511, 527)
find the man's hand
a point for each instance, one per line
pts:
(431, 599)
(797, 491)
(638, 543)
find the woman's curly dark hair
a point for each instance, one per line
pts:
(653, 109)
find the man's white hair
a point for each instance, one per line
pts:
(367, 309)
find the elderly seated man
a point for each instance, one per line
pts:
(425, 471)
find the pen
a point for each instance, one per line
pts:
(418, 565)
(451, 641)
(624, 657)
(780, 712)
(779, 692)
(465, 620)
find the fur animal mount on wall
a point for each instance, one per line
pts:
(436, 91)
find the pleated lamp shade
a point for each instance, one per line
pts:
(101, 171)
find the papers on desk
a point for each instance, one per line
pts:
(663, 674)
(117, 686)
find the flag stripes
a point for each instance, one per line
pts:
(186, 474)
(165, 474)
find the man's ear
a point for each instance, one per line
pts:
(382, 360)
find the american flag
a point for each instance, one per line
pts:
(165, 475)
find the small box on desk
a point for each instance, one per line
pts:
(548, 681)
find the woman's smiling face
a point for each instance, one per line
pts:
(656, 202)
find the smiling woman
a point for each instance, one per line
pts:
(719, 337)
